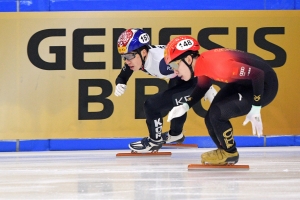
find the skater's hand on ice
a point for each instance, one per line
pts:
(120, 89)
(255, 118)
(210, 94)
(178, 111)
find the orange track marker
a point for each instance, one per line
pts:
(218, 167)
(180, 145)
(144, 154)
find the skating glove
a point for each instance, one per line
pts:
(120, 89)
(178, 111)
(255, 118)
(210, 94)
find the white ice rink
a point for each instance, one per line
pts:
(274, 174)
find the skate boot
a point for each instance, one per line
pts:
(172, 139)
(146, 145)
(219, 157)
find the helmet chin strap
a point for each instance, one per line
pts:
(190, 67)
(143, 59)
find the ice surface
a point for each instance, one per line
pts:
(274, 174)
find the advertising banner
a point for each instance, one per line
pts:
(58, 70)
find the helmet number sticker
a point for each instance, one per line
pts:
(185, 44)
(144, 38)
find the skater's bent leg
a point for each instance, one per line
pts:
(211, 131)
(177, 125)
(154, 119)
(161, 102)
(153, 107)
(222, 128)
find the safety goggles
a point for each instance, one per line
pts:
(175, 64)
(128, 56)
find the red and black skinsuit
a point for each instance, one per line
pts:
(249, 79)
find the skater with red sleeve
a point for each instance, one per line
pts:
(250, 84)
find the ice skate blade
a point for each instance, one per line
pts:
(218, 167)
(144, 154)
(179, 145)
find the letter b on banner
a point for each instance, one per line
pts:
(84, 99)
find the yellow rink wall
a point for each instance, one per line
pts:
(58, 70)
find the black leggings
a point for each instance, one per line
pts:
(234, 100)
(176, 94)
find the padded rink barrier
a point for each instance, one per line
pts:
(135, 5)
(274, 141)
(8, 146)
(122, 143)
(8, 6)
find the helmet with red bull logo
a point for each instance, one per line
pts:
(131, 40)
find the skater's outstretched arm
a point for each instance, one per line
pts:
(122, 80)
